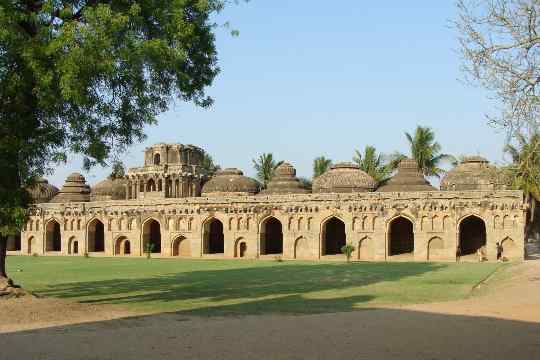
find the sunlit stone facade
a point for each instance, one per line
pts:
(162, 206)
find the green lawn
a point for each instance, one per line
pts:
(229, 287)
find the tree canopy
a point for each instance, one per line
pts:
(499, 45)
(265, 166)
(321, 165)
(86, 77)
(375, 164)
(427, 152)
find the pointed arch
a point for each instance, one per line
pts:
(53, 236)
(96, 235)
(509, 249)
(301, 248)
(30, 245)
(73, 246)
(151, 236)
(333, 236)
(435, 250)
(271, 236)
(181, 247)
(366, 249)
(240, 248)
(472, 235)
(213, 237)
(400, 236)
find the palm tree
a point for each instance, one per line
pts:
(524, 172)
(265, 167)
(209, 168)
(321, 165)
(427, 152)
(376, 165)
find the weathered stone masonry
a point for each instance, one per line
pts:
(230, 221)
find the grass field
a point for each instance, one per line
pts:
(230, 287)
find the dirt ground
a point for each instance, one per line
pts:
(502, 323)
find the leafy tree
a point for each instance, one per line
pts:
(376, 165)
(265, 166)
(498, 43)
(427, 152)
(321, 165)
(118, 170)
(209, 168)
(86, 77)
(524, 172)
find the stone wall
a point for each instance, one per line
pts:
(185, 224)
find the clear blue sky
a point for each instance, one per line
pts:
(310, 78)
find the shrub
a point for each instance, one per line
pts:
(148, 248)
(348, 250)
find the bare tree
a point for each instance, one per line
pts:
(500, 46)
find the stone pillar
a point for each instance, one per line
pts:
(164, 186)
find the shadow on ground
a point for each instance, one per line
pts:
(253, 290)
(374, 334)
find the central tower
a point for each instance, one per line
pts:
(169, 171)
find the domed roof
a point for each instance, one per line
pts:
(75, 189)
(344, 178)
(285, 181)
(230, 182)
(407, 178)
(42, 191)
(109, 189)
(473, 173)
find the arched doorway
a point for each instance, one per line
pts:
(214, 240)
(150, 185)
(333, 236)
(240, 248)
(73, 246)
(152, 237)
(435, 249)
(365, 249)
(53, 237)
(181, 247)
(271, 237)
(401, 237)
(122, 246)
(96, 236)
(30, 247)
(301, 248)
(472, 236)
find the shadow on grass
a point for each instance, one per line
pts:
(281, 288)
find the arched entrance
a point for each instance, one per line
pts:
(240, 248)
(435, 249)
(73, 246)
(271, 237)
(181, 247)
(122, 246)
(333, 236)
(400, 237)
(214, 240)
(53, 237)
(301, 248)
(96, 236)
(472, 236)
(30, 247)
(152, 236)
(365, 249)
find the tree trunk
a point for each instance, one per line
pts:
(3, 252)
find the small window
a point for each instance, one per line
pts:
(157, 159)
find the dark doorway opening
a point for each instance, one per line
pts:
(215, 243)
(272, 237)
(472, 235)
(334, 237)
(96, 236)
(53, 237)
(401, 237)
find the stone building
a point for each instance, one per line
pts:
(167, 207)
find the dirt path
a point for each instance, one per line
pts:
(505, 323)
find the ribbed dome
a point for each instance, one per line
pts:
(407, 178)
(473, 173)
(230, 182)
(344, 178)
(75, 189)
(42, 191)
(285, 182)
(109, 189)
